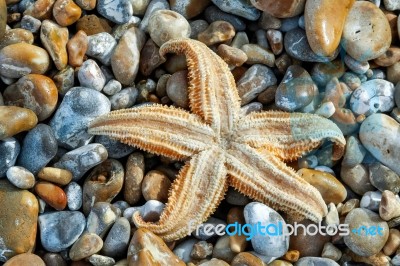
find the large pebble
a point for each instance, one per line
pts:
(366, 34)
(20, 177)
(267, 245)
(18, 219)
(373, 96)
(52, 195)
(17, 60)
(241, 8)
(380, 135)
(78, 108)
(189, 8)
(35, 92)
(359, 240)
(14, 120)
(9, 150)
(80, 160)
(280, 9)
(100, 219)
(357, 178)
(324, 27)
(38, 148)
(117, 241)
(91, 76)
(59, 230)
(118, 11)
(54, 38)
(87, 245)
(101, 46)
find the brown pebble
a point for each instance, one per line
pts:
(393, 73)
(55, 175)
(217, 32)
(87, 245)
(389, 207)
(155, 186)
(246, 258)
(3, 18)
(91, 24)
(52, 195)
(390, 57)
(280, 9)
(150, 58)
(134, 174)
(393, 242)
(66, 12)
(201, 250)
(292, 255)
(40, 9)
(192, 8)
(275, 39)
(267, 21)
(77, 47)
(14, 120)
(25, 259)
(13, 36)
(258, 55)
(35, 92)
(231, 55)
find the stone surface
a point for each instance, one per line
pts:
(76, 47)
(280, 9)
(100, 219)
(134, 174)
(357, 178)
(14, 120)
(117, 241)
(54, 38)
(115, 149)
(101, 46)
(91, 24)
(74, 196)
(25, 259)
(241, 8)
(52, 195)
(217, 32)
(189, 8)
(155, 186)
(118, 11)
(9, 149)
(389, 206)
(383, 178)
(3, 18)
(91, 76)
(177, 88)
(87, 245)
(306, 261)
(66, 12)
(20, 177)
(55, 175)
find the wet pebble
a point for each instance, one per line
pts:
(116, 243)
(86, 245)
(355, 152)
(52, 195)
(77, 47)
(118, 11)
(20, 177)
(9, 149)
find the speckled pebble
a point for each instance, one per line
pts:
(389, 206)
(124, 99)
(355, 152)
(20, 177)
(112, 87)
(100, 260)
(54, 38)
(100, 219)
(118, 11)
(101, 46)
(74, 196)
(55, 175)
(91, 76)
(52, 194)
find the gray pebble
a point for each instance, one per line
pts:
(222, 249)
(118, 11)
(153, 6)
(122, 205)
(30, 23)
(9, 151)
(289, 24)
(38, 148)
(91, 76)
(116, 243)
(302, 23)
(101, 46)
(213, 13)
(101, 218)
(357, 178)
(59, 230)
(383, 178)
(234, 197)
(184, 249)
(240, 8)
(356, 66)
(74, 196)
(378, 74)
(64, 80)
(114, 148)
(196, 27)
(112, 87)
(355, 152)
(124, 99)
(371, 200)
(152, 210)
(99, 260)
(251, 107)
(20, 177)
(307, 261)
(391, 5)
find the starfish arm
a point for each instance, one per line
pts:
(212, 88)
(158, 129)
(265, 178)
(289, 135)
(194, 196)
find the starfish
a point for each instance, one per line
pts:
(222, 147)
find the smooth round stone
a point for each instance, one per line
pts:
(91, 76)
(365, 244)
(306, 261)
(380, 135)
(326, 109)
(31, 24)
(217, 32)
(9, 150)
(155, 186)
(17, 60)
(356, 66)
(125, 59)
(77, 47)
(389, 206)
(54, 38)
(165, 25)
(280, 9)
(373, 96)
(112, 87)
(355, 152)
(392, 243)
(38, 148)
(101, 46)
(296, 89)
(239, 8)
(18, 35)
(14, 120)
(151, 210)
(117, 241)
(56, 234)
(20, 177)
(66, 12)
(115, 149)
(103, 183)
(177, 88)
(323, 27)
(78, 108)
(80, 160)
(258, 55)
(87, 245)
(213, 13)
(139, 7)
(134, 173)
(357, 178)
(55, 175)
(267, 245)
(360, 38)
(189, 8)
(25, 259)
(383, 178)
(150, 58)
(100, 219)
(351, 80)
(52, 195)
(297, 46)
(18, 219)
(124, 99)
(118, 11)
(35, 92)
(231, 55)
(184, 249)
(152, 7)
(330, 188)
(74, 196)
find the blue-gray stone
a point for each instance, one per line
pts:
(355, 152)
(213, 13)
(114, 148)
(101, 218)
(116, 243)
(74, 196)
(59, 230)
(9, 150)
(118, 11)
(101, 46)
(307, 261)
(24, 4)
(78, 108)
(240, 8)
(82, 159)
(124, 98)
(289, 24)
(38, 148)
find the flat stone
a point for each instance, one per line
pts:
(14, 120)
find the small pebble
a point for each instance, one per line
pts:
(115, 149)
(124, 99)
(177, 88)
(66, 12)
(389, 207)
(52, 195)
(231, 55)
(55, 175)
(9, 149)
(258, 55)
(371, 200)
(222, 250)
(155, 186)
(77, 47)
(134, 173)
(90, 75)
(112, 87)
(305, 261)
(101, 47)
(213, 13)
(74, 196)
(357, 178)
(217, 32)
(356, 66)
(383, 178)
(239, 8)
(330, 251)
(20, 177)
(393, 242)
(151, 210)
(86, 245)
(31, 24)
(184, 249)
(91, 24)
(25, 259)
(284, 9)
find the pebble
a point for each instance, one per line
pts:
(165, 25)
(213, 13)
(359, 37)
(52, 195)
(150, 58)
(9, 149)
(101, 47)
(134, 173)
(112, 87)
(56, 234)
(64, 80)
(231, 55)
(390, 57)
(99, 260)
(351, 80)
(329, 187)
(356, 66)
(79, 107)
(152, 7)
(66, 12)
(389, 207)
(87, 245)
(363, 244)
(125, 59)
(19, 59)
(74, 196)
(373, 96)
(391, 5)
(267, 21)
(393, 73)
(275, 39)
(306, 261)
(393, 242)
(357, 178)
(14, 120)
(77, 47)
(124, 99)
(239, 8)
(18, 221)
(217, 32)
(183, 250)
(117, 241)
(323, 28)
(297, 46)
(371, 200)
(246, 258)
(91, 76)
(258, 55)
(101, 218)
(330, 251)
(282, 9)
(326, 109)
(55, 175)
(118, 11)
(31, 24)
(20, 177)
(201, 250)
(189, 8)
(296, 89)
(115, 149)
(80, 160)
(147, 248)
(86, 4)
(355, 152)
(177, 88)
(54, 38)
(380, 135)
(383, 178)
(322, 73)
(14, 36)
(41, 9)
(267, 245)
(25, 259)
(35, 92)
(211, 225)
(3, 18)
(103, 183)
(151, 210)
(91, 24)
(214, 262)
(222, 249)
(155, 186)
(38, 148)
